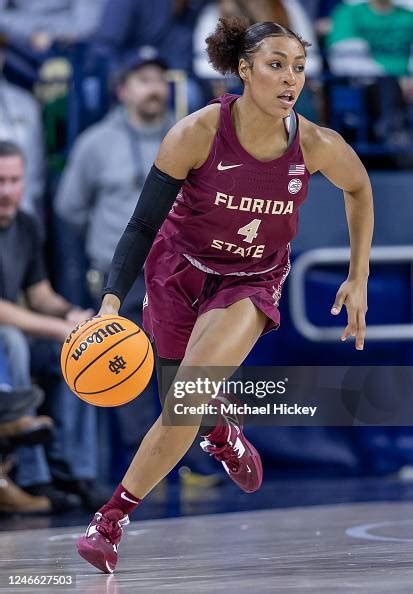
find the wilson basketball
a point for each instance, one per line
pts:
(107, 360)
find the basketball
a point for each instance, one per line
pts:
(107, 360)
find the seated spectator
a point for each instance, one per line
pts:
(71, 454)
(32, 30)
(374, 39)
(111, 159)
(20, 119)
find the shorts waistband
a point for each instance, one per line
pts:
(204, 268)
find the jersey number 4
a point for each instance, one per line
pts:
(250, 231)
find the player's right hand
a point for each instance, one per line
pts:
(110, 305)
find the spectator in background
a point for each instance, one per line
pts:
(127, 25)
(72, 453)
(105, 175)
(165, 24)
(320, 12)
(375, 38)
(110, 161)
(20, 120)
(378, 32)
(31, 29)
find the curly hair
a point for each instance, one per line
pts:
(234, 38)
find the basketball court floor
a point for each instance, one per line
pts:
(340, 547)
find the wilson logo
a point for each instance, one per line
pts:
(97, 338)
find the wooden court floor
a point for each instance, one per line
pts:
(334, 549)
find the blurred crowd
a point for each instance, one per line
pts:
(87, 92)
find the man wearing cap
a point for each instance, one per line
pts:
(105, 174)
(110, 161)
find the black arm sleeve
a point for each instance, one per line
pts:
(156, 200)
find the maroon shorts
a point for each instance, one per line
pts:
(178, 293)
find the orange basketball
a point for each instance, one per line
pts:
(107, 360)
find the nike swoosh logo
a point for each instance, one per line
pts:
(90, 531)
(124, 496)
(222, 167)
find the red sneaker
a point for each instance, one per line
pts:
(240, 459)
(99, 545)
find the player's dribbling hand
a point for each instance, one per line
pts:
(353, 294)
(110, 305)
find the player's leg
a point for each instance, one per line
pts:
(166, 370)
(214, 426)
(220, 337)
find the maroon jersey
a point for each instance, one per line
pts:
(236, 214)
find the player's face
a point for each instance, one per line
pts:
(146, 91)
(11, 188)
(276, 77)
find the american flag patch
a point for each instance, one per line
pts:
(296, 169)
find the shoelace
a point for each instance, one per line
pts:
(225, 454)
(111, 528)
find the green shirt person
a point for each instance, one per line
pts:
(386, 29)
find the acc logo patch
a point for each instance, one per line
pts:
(295, 186)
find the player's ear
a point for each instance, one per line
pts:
(243, 68)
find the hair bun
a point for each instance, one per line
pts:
(224, 45)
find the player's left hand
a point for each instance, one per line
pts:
(353, 294)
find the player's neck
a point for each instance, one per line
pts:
(250, 121)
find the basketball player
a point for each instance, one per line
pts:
(229, 180)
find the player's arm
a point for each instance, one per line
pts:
(337, 161)
(186, 146)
